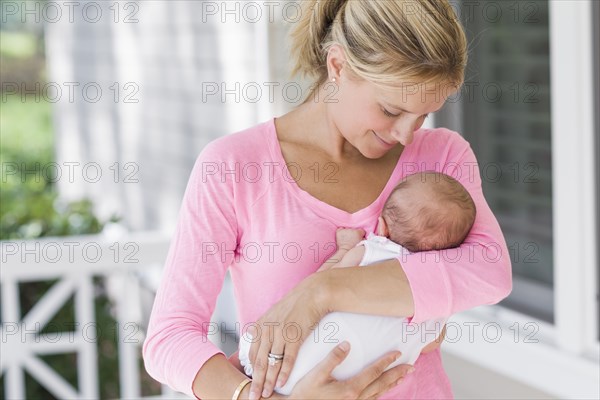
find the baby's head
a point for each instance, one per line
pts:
(427, 211)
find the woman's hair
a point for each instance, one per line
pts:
(386, 42)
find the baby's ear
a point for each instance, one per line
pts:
(382, 228)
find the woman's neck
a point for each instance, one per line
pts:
(310, 125)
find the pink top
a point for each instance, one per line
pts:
(243, 211)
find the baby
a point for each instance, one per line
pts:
(426, 211)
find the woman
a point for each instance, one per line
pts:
(264, 203)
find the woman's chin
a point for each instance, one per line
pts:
(374, 153)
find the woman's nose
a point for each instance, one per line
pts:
(404, 130)
(404, 135)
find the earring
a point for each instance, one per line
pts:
(333, 80)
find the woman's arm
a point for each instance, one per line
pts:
(177, 351)
(218, 379)
(176, 347)
(432, 284)
(421, 286)
(381, 289)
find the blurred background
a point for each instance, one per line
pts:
(105, 106)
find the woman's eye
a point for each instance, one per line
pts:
(389, 114)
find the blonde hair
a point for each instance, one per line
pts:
(387, 42)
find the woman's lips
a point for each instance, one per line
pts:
(386, 144)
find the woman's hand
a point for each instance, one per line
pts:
(371, 383)
(282, 330)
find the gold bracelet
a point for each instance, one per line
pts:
(241, 386)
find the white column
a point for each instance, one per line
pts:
(573, 180)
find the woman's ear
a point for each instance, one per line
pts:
(335, 61)
(382, 228)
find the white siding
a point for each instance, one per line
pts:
(167, 57)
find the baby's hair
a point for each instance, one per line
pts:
(445, 209)
(390, 43)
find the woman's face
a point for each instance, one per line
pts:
(375, 120)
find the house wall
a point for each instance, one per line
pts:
(174, 65)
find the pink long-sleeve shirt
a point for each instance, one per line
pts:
(243, 211)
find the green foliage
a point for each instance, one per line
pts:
(18, 44)
(29, 209)
(29, 205)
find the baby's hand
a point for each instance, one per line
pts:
(347, 238)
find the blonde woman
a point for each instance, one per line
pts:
(380, 68)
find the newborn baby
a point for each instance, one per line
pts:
(426, 211)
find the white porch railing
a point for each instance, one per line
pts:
(74, 262)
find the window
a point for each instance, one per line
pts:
(552, 45)
(596, 41)
(504, 112)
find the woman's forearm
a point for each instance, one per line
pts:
(380, 289)
(217, 379)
